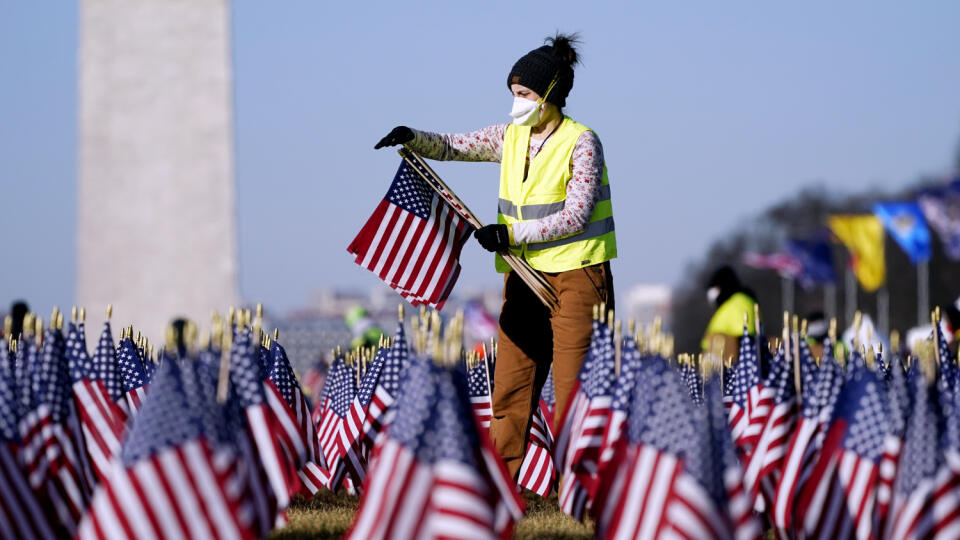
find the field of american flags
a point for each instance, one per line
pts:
(222, 441)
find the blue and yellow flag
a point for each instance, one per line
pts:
(863, 236)
(905, 222)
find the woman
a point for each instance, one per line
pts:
(555, 212)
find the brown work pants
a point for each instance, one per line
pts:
(530, 339)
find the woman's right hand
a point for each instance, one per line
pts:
(398, 135)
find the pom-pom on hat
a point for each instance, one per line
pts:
(537, 69)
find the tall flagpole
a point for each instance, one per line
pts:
(883, 310)
(786, 293)
(923, 291)
(850, 289)
(830, 300)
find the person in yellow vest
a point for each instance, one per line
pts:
(554, 210)
(364, 332)
(732, 300)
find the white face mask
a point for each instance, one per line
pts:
(712, 294)
(525, 112)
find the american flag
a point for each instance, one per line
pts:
(764, 462)
(26, 356)
(80, 366)
(690, 376)
(803, 447)
(313, 379)
(50, 453)
(581, 436)
(748, 409)
(926, 490)
(258, 491)
(828, 400)
(718, 471)
(370, 410)
(643, 476)
(323, 417)
(839, 499)
(478, 384)
(948, 370)
(352, 431)
(430, 475)
(380, 409)
(102, 421)
(133, 373)
(569, 419)
(784, 263)
(177, 474)
(21, 514)
(331, 427)
(262, 423)
(298, 433)
(947, 486)
(613, 433)
(413, 240)
(105, 368)
(899, 400)
(537, 471)
(548, 394)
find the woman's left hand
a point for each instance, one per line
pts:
(493, 237)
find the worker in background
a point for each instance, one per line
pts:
(363, 331)
(952, 318)
(732, 300)
(18, 310)
(817, 330)
(554, 211)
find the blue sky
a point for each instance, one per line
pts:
(707, 112)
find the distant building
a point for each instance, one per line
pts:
(646, 301)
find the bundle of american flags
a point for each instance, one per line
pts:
(413, 240)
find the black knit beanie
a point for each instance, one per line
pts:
(537, 68)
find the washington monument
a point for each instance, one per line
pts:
(156, 233)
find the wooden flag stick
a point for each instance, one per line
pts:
(617, 347)
(756, 322)
(486, 366)
(935, 320)
(797, 381)
(223, 380)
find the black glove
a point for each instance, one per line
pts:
(493, 237)
(399, 135)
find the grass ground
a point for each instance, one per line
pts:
(328, 516)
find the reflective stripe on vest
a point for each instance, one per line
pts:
(537, 188)
(592, 230)
(539, 211)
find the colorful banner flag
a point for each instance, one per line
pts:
(941, 207)
(906, 224)
(863, 237)
(816, 261)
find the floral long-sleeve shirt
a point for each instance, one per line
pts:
(583, 189)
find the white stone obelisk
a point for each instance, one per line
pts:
(156, 233)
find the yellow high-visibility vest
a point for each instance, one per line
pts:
(544, 192)
(728, 319)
